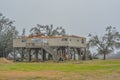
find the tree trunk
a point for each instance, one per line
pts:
(104, 57)
(3, 52)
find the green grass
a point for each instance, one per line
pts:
(68, 66)
(73, 70)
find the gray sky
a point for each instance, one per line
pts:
(78, 17)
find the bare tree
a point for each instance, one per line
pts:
(36, 29)
(108, 42)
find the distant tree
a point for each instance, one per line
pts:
(60, 31)
(107, 43)
(36, 29)
(23, 32)
(7, 33)
(47, 30)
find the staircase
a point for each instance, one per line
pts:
(51, 51)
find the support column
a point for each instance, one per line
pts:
(68, 52)
(41, 50)
(84, 55)
(14, 54)
(29, 55)
(79, 53)
(36, 52)
(44, 55)
(22, 54)
(74, 53)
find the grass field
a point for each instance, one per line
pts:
(77, 70)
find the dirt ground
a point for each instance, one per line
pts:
(57, 75)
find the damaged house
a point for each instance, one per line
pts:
(56, 48)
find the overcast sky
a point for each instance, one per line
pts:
(78, 17)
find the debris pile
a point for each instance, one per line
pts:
(4, 60)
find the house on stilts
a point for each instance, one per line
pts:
(43, 48)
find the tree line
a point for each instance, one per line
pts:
(105, 44)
